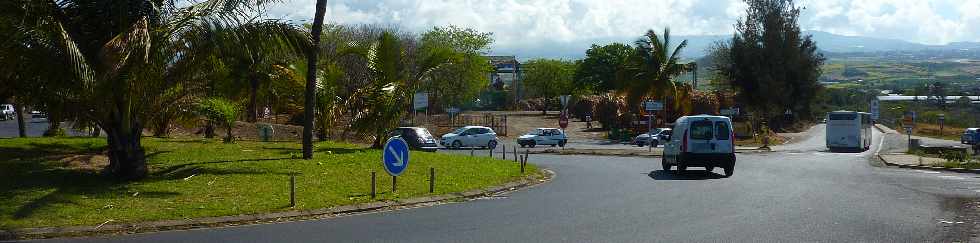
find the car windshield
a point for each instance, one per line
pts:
(423, 133)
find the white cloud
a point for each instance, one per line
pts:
(532, 24)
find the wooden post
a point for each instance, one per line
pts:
(471, 151)
(373, 185)
(432, 180)
(523, 162)
(292, 190)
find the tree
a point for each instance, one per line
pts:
(598, 70)
(770, 62)
(648, 73)
(549, 78)
(462, 80)
(378, 106)
(311, 63)
(115, 54)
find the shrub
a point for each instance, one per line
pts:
(220, 111)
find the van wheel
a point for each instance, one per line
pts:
(729, 170)
(562, 143)
(709, 168)
(681, 167)
(532, 144)
(663, 164)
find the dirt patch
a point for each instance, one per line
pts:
(85, 162)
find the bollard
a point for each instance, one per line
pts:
(471, 151)
(432, 180)
(292, 190)
(503, 152)
(515, 154)
(373, 185)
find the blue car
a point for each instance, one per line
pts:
(971, 136)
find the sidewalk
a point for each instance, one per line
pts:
(894, 147)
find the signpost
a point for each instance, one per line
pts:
(395, 159)
(564, 101)
(875, 109)
(651, 106)
(563, 120)
(908, 121)
(730, 112)
(420, 101)
(942, 119)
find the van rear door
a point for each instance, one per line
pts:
(702, 134)
(723, 137)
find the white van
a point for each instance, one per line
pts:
(701, 141)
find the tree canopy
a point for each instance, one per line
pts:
(598, 70)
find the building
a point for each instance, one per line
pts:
(506, 75)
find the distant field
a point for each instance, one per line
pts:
(891, 74)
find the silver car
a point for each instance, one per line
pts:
(654, 138)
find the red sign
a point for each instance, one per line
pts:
(563, 120)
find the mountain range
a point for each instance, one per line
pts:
(698, 46)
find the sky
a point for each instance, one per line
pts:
(546, 28)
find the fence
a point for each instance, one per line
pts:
(442, 123)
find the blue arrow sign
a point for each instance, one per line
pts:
(395, 156)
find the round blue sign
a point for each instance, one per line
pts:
(395, 156)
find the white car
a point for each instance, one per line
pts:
(543, 136)
(470, 136)
(7, 112)
(701, 141)
(654, 138)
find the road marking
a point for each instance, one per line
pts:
(951, 177)
(398, 157)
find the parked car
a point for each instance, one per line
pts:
(970, 136)
(417, 138)
(7, 112)
(701, 141)
(543, 136)
(654, 138)
(38, 115)
(470, 136)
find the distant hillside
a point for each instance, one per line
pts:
(698, 46)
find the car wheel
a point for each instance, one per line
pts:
(681, 166)
(654, 143)
(532, 144)
(729, 170)
(492, 144)
(562, 143)
(663, 163)
(457, 144)
(709, 168)
(522, 144)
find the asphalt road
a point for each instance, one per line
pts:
(798, 193)
(35, 128)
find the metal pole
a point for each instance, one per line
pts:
(503, 152)
(523, 163)
(650, 135)
(432, 180)
(394, 183)
(373, 190)
(515, 155)
(471, 151)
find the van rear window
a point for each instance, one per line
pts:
(843, 117)
(702, 130)
(721, 131)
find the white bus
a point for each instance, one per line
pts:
(848, 130)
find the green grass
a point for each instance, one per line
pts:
(198, 178)
(971, 165)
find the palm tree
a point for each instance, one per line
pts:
(116, 55)
(311, 63)
(378, 107)
(648, 72)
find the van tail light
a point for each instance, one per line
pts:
(731, 137)
(684, 142)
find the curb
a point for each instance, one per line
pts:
(275, 217)
(926, 167)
